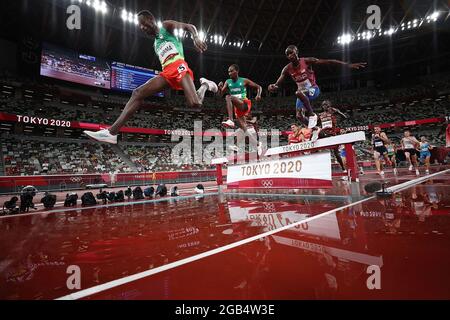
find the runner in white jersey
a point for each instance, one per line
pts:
(409, 146)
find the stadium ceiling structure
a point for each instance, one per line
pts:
(254, 33)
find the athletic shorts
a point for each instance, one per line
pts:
(381, 150)
(424, 154)
(312, 94)
(243, 113)
(329, 132)
(412, 152)
(175, 72)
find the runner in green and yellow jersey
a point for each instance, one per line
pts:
(176, 73)
(237, 101)
(236, 98)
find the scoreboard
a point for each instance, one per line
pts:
(125, 77)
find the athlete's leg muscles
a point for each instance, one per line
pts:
(394, 161)
(339, 158)
(376, 156)
(238, 103)
(229, 104)
(201, 91)
(408, 157)
(306, 103)
(192, 98)
(148, 89)
(301, 116)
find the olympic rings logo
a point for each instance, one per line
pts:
(76, 179)
(267, 183)
(269, 207)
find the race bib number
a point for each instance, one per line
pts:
(327, 124)
(182, 68)
(378, 144)
(237, 95)
(166, 50)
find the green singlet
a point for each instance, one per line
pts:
(237, 88)
(168, 48)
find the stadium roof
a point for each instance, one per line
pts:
(253, 33)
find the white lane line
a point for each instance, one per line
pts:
(118, 282)
(419, 180)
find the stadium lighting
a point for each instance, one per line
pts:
(130, 17)
(202, 35)
(96, 5)
(124, 15)
(220, 39)
(390, 32)
(433, 17)
(346, 38)
(104, 8)
(88, 2)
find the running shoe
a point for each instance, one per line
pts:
(228, 124)
(101, 136)
(212, 86)
(312, 121)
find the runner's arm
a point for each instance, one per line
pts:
(384, 137)
(223, 88)
(171, 25)
(415, 141)
(341, 113)
(358, 65)
(255, 86)
(274, 87)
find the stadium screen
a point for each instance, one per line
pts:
(71, 66)
(126, 77)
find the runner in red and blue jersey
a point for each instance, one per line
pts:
(300, 70)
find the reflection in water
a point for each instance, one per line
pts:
(325, 257)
